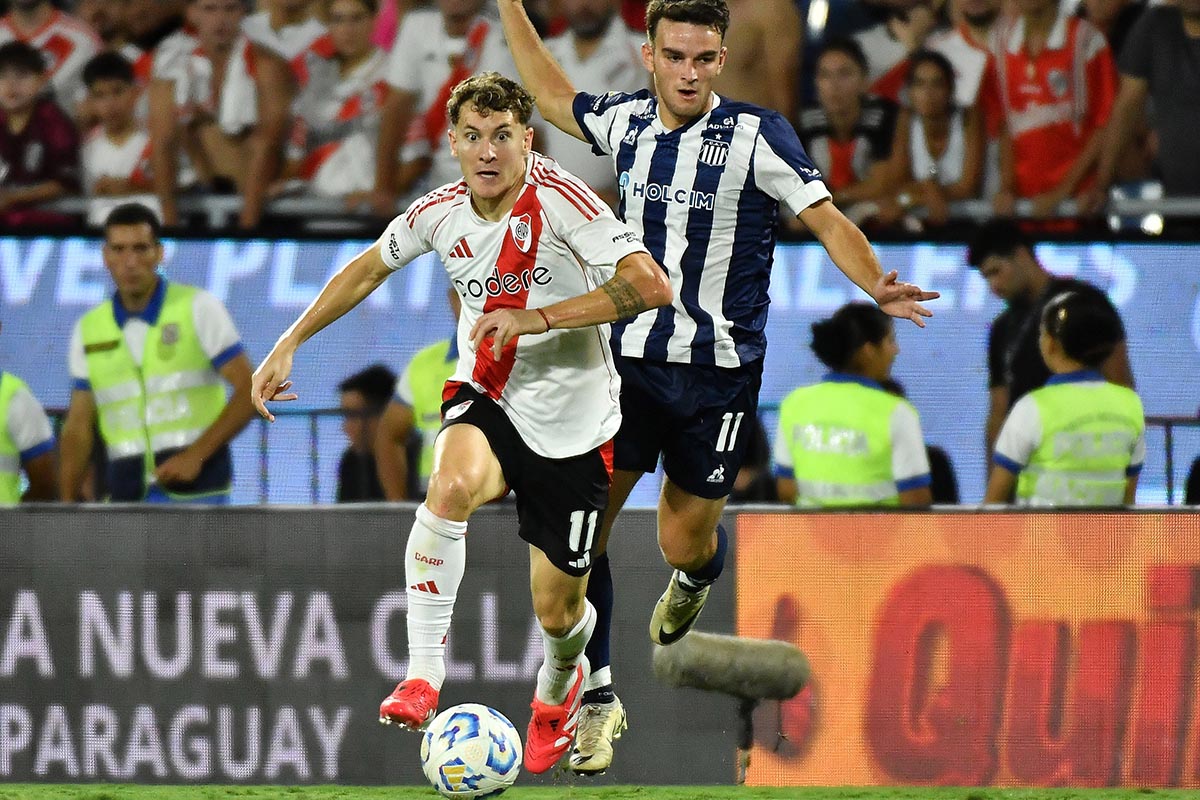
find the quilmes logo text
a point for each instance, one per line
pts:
(661, 193)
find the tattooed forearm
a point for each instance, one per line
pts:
(625, 297)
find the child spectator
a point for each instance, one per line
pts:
(116, 154)
(65, 42)
(39, 147)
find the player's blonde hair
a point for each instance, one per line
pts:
(488, 92)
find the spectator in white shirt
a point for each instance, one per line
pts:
(116, 154)
(285, 27)
(598, 53)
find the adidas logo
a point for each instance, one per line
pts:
(718, 474)
(461, 250)
(428, 587)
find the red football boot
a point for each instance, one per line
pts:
(412, 704)
(552, 728)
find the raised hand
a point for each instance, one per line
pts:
(902, 300)
(270, 382)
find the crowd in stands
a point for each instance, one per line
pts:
(906, 106)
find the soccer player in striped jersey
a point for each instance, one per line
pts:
(701, 177)
(532, 405)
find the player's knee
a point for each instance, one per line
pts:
(557, 615)
(686, 552)
(450, 494)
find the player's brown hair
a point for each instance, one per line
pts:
(710, 13)
(488, 92)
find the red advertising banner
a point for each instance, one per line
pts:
(978, 649)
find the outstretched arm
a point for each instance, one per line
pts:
(540, 73)
(345, 290)
(639, 284)
(852, 254)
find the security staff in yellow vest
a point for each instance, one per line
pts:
(846, 441)
(1079, 440)
(26, 443)
(150, 365)
(416, 403)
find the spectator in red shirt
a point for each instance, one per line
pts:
(39, 147)
(1057, 84)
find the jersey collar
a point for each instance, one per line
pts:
(845, 377)
(1079, 376)
(659, 129)
(149, 314)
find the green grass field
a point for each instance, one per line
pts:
(577, 792)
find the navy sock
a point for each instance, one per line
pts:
(600, 594)
(699, 578)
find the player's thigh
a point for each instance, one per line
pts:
(645, 406)
(466, 472)
(703, 453)
(560, 505)
(557, 595)
(623, 482)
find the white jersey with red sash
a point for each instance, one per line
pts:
(337, 119)
(560, 388)
(428, 62)
(182, 60)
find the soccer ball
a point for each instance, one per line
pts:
(470, 750)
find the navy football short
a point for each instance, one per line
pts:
(560, 501)
(699, 418)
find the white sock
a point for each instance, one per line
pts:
(598, 679)
(562, 657)
(434, 561)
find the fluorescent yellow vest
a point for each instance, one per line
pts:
(839, 433)
(427, 375)
(1088, 432)
(10, 456)
(166, 404)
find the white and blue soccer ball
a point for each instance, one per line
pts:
(470, 750)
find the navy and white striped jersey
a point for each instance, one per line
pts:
(705, 199)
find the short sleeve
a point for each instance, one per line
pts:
(77, 360)
(585, 222)
(910, 462)
(219, 337)
(404, 390)
(781, 451)
(782, 169)
(28, 425)
(404, 238)
(597, 114)
(1020, 436)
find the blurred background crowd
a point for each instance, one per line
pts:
(329, 114)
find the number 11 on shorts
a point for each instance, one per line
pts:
(578, 538)
(730, 423)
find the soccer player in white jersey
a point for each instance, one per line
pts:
(701, 179)
(533, 401)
